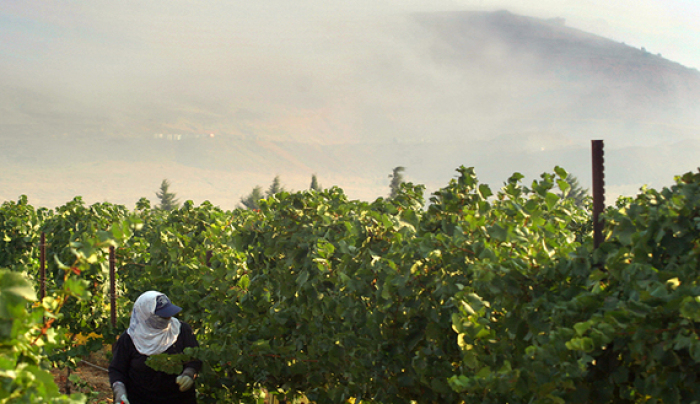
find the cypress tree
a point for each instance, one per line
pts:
(167, 199)
(396, 181)
(275, 187)
(252, 201)
(315, 186)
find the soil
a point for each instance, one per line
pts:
(93, 379)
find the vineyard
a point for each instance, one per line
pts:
(473, 296)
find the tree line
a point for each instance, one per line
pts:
(168, 200)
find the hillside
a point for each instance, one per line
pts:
(494, 90)
(552, 75)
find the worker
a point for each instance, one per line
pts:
(153, 330)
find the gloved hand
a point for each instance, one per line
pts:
(120, 393)
(186, 379)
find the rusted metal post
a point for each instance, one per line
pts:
(42, 266)
(112, 287)
(598, 190)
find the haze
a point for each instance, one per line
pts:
(281, 81)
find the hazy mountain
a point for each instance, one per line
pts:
(494, 90)
(546, 72)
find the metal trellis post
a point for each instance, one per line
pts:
(598, 190)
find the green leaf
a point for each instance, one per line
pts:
(484, 372)
(15, 291)
(561, 172)
(485, 191)
(551, 200)
(498, 232)
(14, 284)
(690, 308)
(243, 282)
(695, 350)
(302, 278)
(581, 328)
(581, 344)
(76, 287)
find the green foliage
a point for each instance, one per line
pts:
(24, 341)
(647, 297)
(78, 241)
(168, 201)
(32, 338)
(572, 189)
(168, 363)
(29, 333)
(19, 236)
(526, 265)
(275, 188)
(252, 201)
(334, 299)
(619, 327)
(143, 204)
(486, 296)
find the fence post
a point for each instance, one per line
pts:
(112, 287)
(598, 190)
(42, 266)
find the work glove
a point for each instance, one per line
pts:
(186, 379)
(120, 393)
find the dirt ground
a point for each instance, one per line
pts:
(93, 379)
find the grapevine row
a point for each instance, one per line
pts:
(481, 296)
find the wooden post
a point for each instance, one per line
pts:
(598, 190)
(42, 266)
(112, 287)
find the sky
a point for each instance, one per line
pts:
(333, 66)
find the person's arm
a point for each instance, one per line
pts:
(118, 369)
(119, 366)
(190, 341)
(190, 369)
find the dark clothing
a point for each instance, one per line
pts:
(145, 385)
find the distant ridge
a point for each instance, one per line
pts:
(494, 90)
(547, 37)
(567, 53)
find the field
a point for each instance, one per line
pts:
(480, 296)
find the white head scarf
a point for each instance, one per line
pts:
(151, 334)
